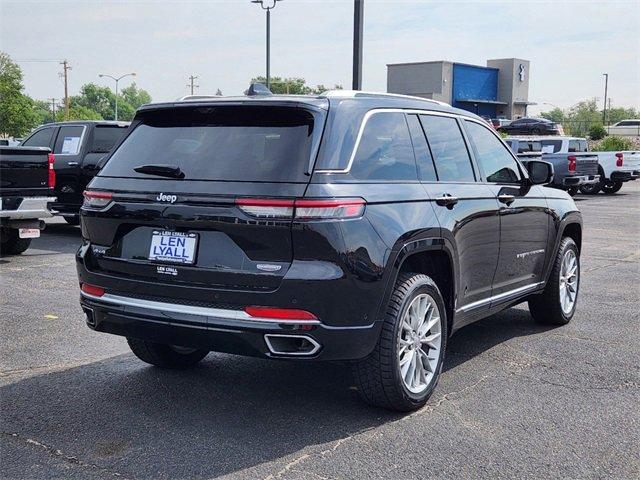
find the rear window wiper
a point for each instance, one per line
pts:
(171, 171)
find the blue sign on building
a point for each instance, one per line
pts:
(475, 89)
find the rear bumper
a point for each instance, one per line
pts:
(28, 208)
(222, 330)
(624, 175)
(577, 180)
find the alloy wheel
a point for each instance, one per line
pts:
(568, 281)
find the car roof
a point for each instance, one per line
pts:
(370, 99)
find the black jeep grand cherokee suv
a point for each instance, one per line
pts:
(348, 226)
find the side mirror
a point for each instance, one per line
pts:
(540, 173)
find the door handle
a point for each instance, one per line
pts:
(446, 200)
(72, 164)
(508, 199)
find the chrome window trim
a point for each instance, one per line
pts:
(501, 296)
(375, 111)
(221, 313)
(80, 145)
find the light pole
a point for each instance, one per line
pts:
(268, 5)
(604, 111)
(117, 79)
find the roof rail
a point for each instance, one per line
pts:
(362, 93)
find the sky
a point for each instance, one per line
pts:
(570, 44)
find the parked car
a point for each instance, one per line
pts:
(531, 126)
(345, 226)
(625, 128)
(572, 169)
(27, 181)
(78, 146)
(499, 122)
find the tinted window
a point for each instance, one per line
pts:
(385, 151)
(551, 146)
(220, 143)
(491, 155)
(68, 141)
(628, 123)
(104, 138)
(426, 169)
(448, 149)
(578, 146)
(42, 138)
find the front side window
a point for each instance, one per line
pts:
(68, 141)
(385, 151)
(41, 138)
(493, 158)
(449, 151)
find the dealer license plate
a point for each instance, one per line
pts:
(174, 247)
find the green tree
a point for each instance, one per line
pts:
(42, 111)
(134, 96)
(17, 114)
(100, 100)
(555, 115)
(614, 115)
(292, 86)
(78, 112)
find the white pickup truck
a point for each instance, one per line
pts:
(614, 168)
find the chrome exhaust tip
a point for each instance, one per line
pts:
(291, 345)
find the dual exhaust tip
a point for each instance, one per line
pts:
(291, 345)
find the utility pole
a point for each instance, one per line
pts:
(358, 22)
(604, 112)
(53, 109)
(66, 67)
(191, 79)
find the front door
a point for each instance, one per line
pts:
(524, 217)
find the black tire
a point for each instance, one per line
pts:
(12, 244)
(590, 189)
(378, 375)
(165, 356)
(545, 308)
(74, 220)
(610, 187)
(572, 191)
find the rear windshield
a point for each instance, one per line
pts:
(105, 137)
(232, 143)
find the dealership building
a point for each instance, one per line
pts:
(499, 90)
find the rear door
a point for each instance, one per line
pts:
(101, 140)
(226, 208)
(466, 209)
(524, 217)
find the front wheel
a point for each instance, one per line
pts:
(165, 356)
(403, 369)
(611, 186)
(556, 305)
(591, 188)
(573, 191)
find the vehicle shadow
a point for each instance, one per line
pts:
(228, 414)
(58, 238)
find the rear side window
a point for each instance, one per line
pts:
(68, 141)
(232, 143)
(42, 138)
(551, 146)
(491, 155)
(426, 169)
(385, 151)
(105, 137)
(449, 151)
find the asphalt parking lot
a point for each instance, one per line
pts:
(515, 401)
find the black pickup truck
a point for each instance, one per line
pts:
(79, 146)
(27, 181)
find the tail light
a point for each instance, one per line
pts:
(93, 199)
(289, 314)
(572, 163)
(303, 209)
(52, 173)
(92, 290)
(619, 159)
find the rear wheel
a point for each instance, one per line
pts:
(11, 243)
(557, 303)
(590, 189)
(166, 356)
(611, 186)
(403, 369)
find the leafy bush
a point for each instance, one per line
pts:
(612, 143)
(597, 132)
